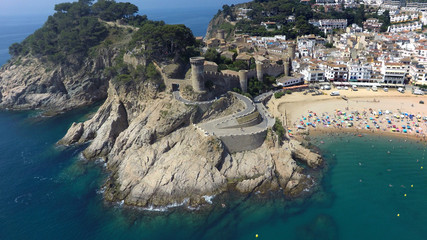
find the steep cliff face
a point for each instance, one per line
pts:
(157, 156)
(28, 83)
(214, 25)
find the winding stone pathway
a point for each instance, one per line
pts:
(220, 127)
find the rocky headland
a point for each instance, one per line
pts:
(157, 156)
(30, 83)
(151, 141)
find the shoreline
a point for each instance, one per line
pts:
(356, 132)
(389, 114)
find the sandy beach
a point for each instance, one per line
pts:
(391, 113)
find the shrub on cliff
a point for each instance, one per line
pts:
(279, 129)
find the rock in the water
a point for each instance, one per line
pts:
(312, 159)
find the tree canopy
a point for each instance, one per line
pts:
(73, 29)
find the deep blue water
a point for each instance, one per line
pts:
(197, 19)
(16, 29)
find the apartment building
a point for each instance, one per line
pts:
(313, 74)
(418, 74)
(336, 72)
(359, 72)
(393, 73)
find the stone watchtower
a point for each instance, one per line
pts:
(243, 80)
(259, 71)
(197, 75)
(286, 65)
(291, 50)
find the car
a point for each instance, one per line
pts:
(339, 88)
(335, 93)
(354, 88)
(346, 88)
(401, 90)
(421, 102)
(385, 89)
(374, 88)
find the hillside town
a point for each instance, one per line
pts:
(345, 55)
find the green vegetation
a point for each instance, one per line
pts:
(165, 41)
(278, 95)
(69, 35)
(226, 63)
(278, 11)
(72, 30)
(279, 129)
(329, 45)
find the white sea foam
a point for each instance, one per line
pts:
(208, 199)
(101, 190)
(167, 207)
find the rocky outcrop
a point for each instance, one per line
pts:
(29, 83)
(305, 155)
(157, 156)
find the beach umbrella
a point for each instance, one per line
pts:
(405, 131)
(393, 129)
(389, 122)
(367, 126)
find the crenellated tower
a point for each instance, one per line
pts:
(243, 80)
(259, 71)
(197, 78)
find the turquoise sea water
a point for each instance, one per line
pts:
(49, 192)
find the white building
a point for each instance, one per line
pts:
(359, 72)
(312, 73)
(328, 25)
(404, 17)
(414, 26)
(336, 72)
(287, 81)
(393, 73)
(418, 74)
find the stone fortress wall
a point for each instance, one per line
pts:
(243, 136)
(227, 80)
(242, 142)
